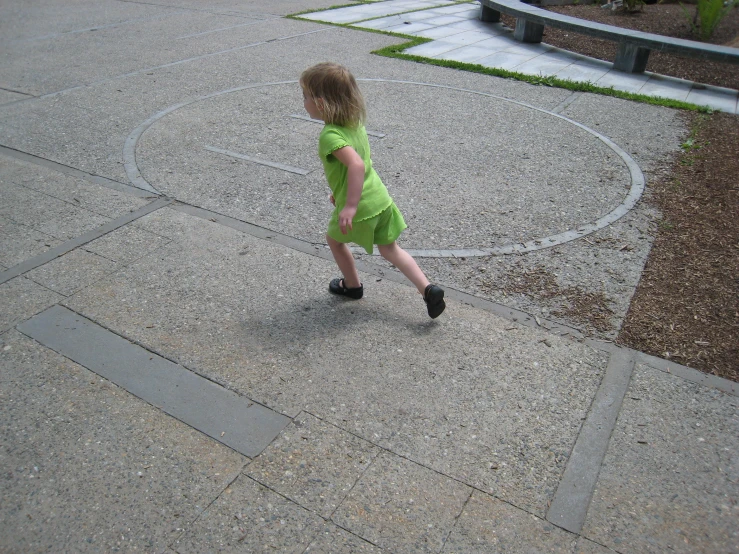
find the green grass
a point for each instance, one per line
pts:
(398, 51)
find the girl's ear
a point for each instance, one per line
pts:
(319, 104)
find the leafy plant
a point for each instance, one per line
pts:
(708, 14)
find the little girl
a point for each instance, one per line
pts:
(364, 214)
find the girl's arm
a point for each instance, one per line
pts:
(355, 183)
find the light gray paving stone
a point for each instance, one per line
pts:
(402, 507)
(666, 87)
(439, 32)
(72, 271)
(91, 468)
(629, 82)
(410, 28)
(457, 9)
(313, 464)
(489, 526)
(504, 60)
(126, 244)
(541, 65)
(468, 53)
(584, 72)
(669, 481)
(18, 242)
(443, 20)
(431, 49)
(46, 214)
(248, 517)
(531, 50)
(497, 42)
(472, 24)
(21, 299)
(467, 37)
(717, 98)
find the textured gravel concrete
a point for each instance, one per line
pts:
(403, 434)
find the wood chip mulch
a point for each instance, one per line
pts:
(686, 307)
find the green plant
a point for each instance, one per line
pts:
(708, 14)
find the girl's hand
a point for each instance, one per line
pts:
(345, 218)
(333, 201)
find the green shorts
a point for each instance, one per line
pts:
(384, 228)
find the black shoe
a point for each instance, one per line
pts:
(434, 298)
(336, 286)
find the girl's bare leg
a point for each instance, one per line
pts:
(405, 263)
(345, 261)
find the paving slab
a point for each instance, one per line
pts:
(248, 517)
(313, 464)
(488, 526)
(335, 539)
(18, 242)
(22, 298)
(76, 191)
(402, 507)
(73, 271)
(46, 214)
(126, 244)
(668, 482)
(92, 468)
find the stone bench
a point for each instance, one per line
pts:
(633, 46)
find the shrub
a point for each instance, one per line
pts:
(708, 14)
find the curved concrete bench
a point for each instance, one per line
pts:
(633, 46)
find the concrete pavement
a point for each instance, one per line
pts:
(174, 376)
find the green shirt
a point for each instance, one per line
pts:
(375, 197)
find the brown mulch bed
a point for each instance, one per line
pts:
(686, 306)
(666, 19)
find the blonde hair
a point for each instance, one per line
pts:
(333, 85)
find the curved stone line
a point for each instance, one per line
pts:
(635, 191)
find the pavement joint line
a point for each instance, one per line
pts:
(276, 165)
(17, 92)
(256, 22)
(74, 172)
(380, 448)
(636, 189)
(234, 420)
(76, 242)
(668, 366)
(96, 28)
(571, 502)
(318, 121)
(185, 8)
(164, 66)
(566, 102)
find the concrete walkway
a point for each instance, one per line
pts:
(458, 35)
(175, 377)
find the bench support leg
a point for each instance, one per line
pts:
(489, 15)
(526, 31)
(631, 58)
